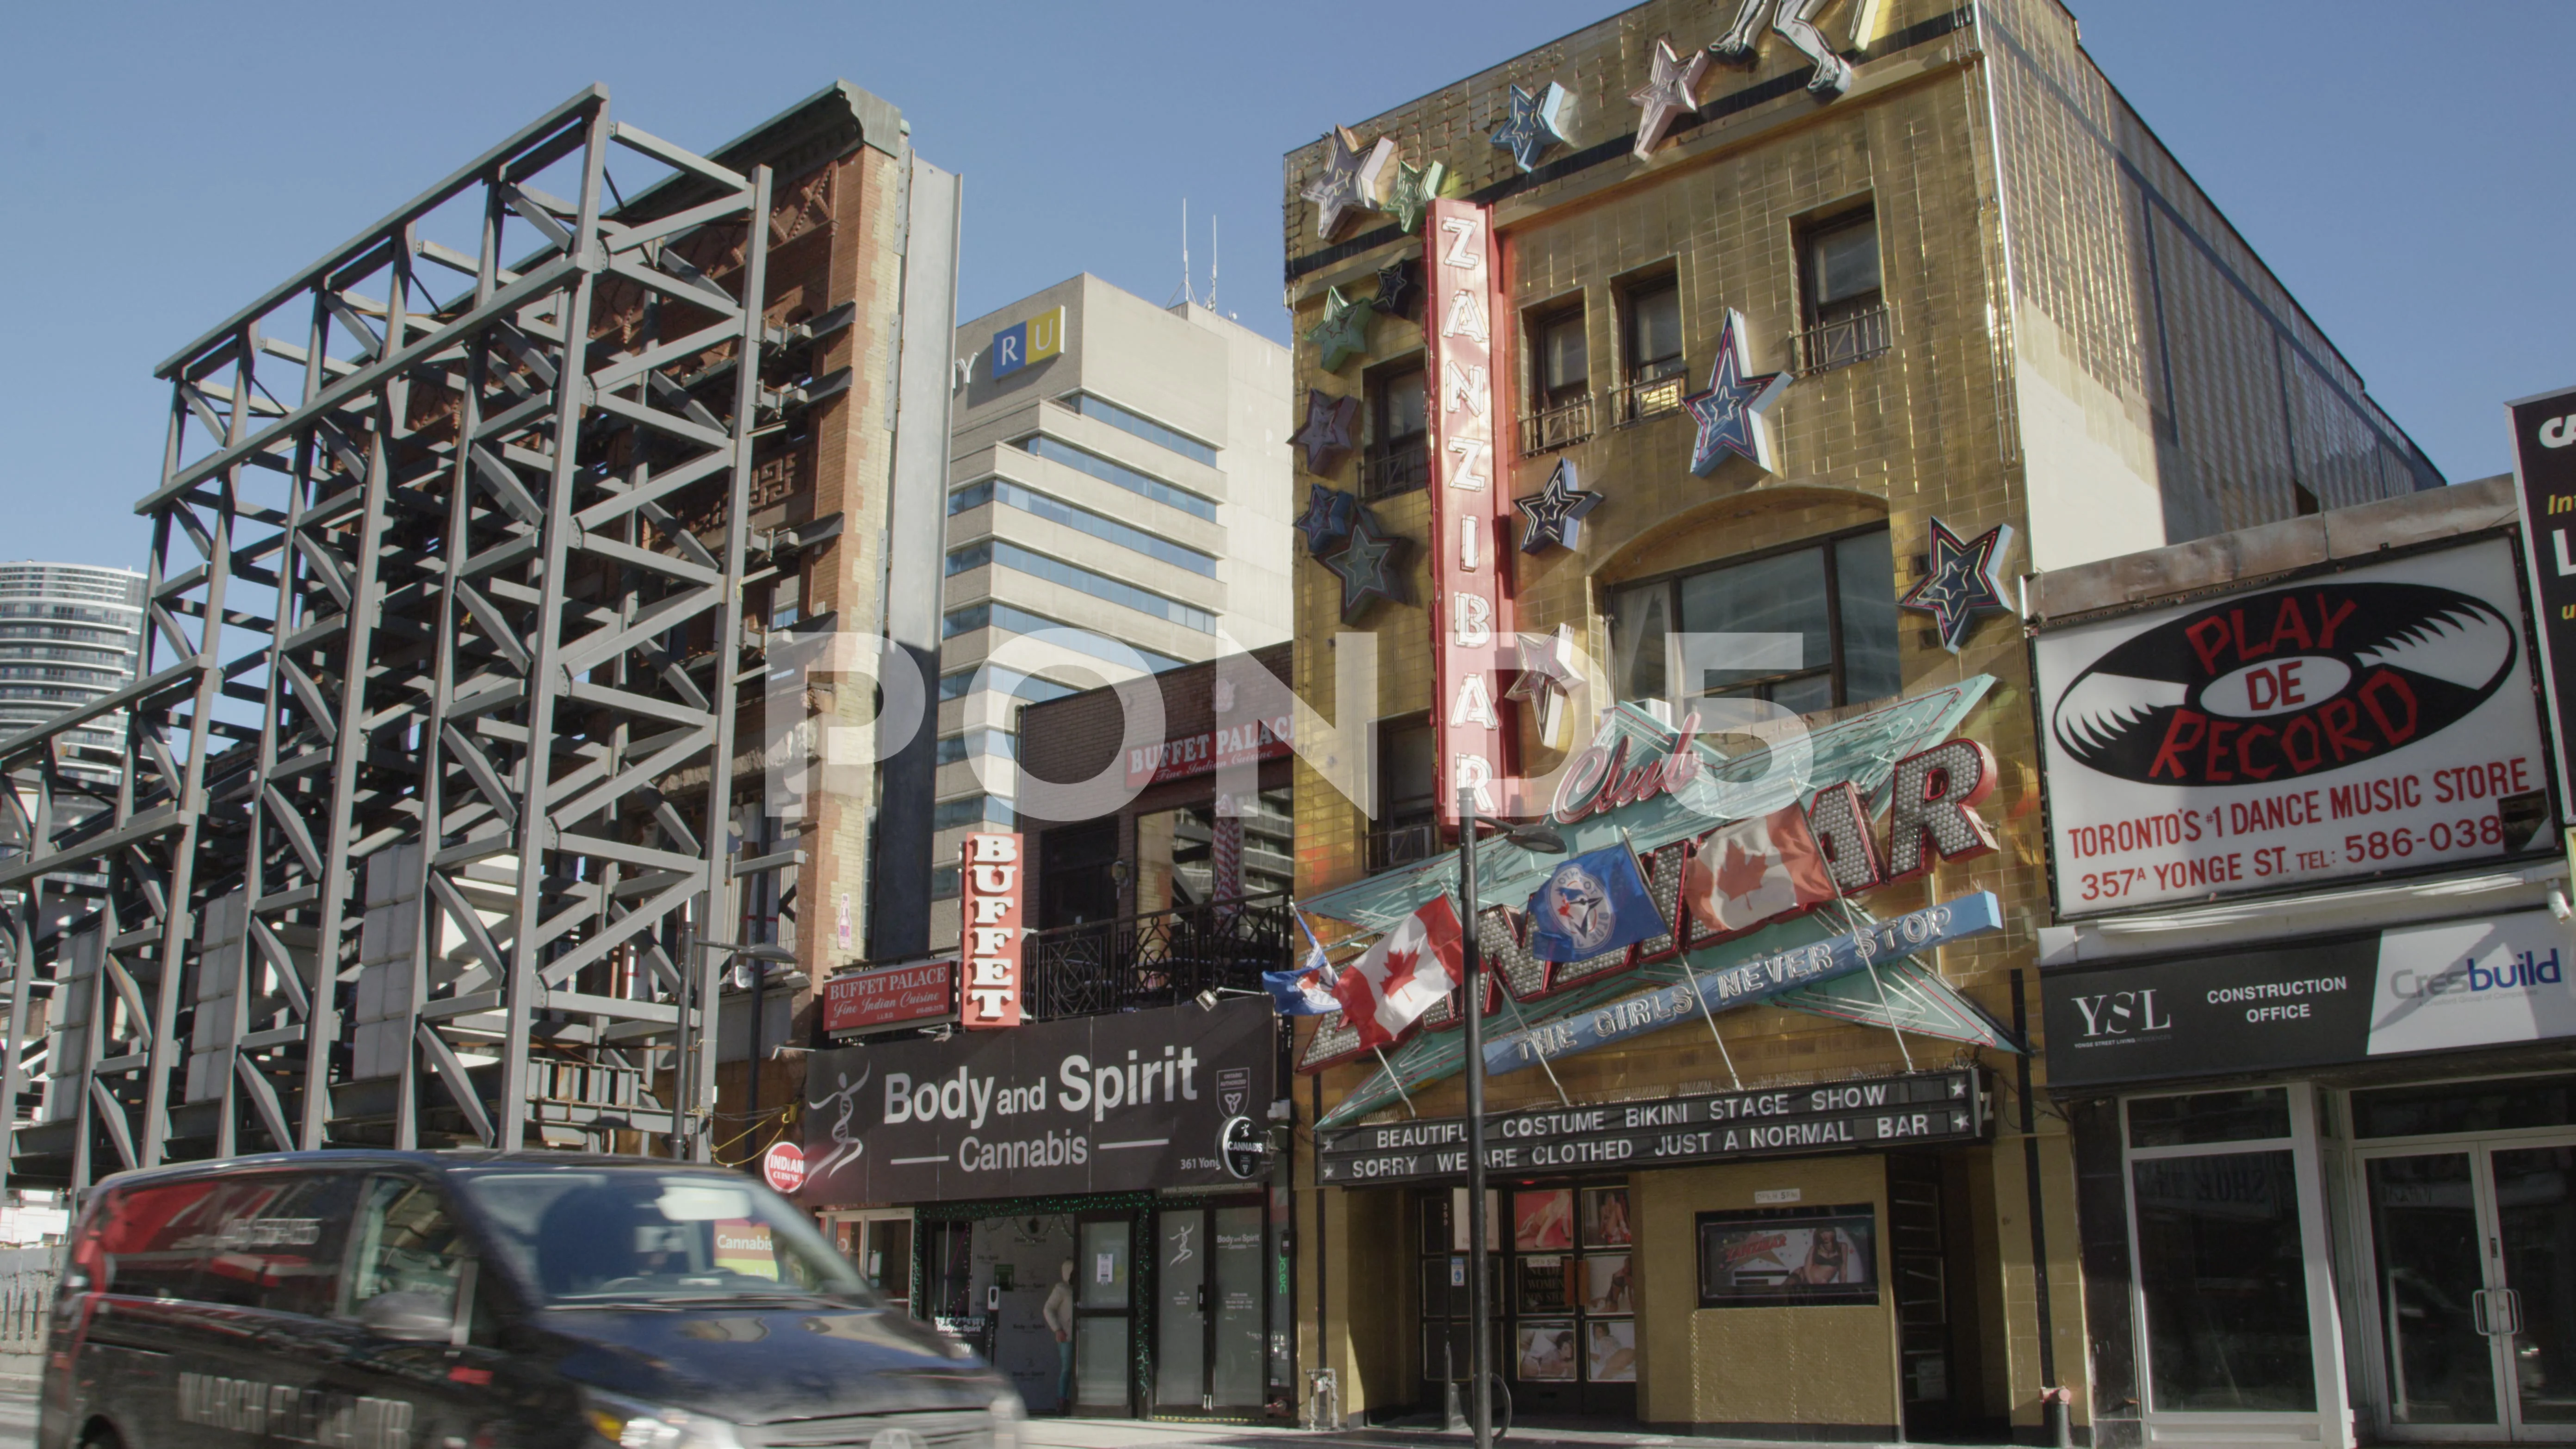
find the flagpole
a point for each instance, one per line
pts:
(1389, 1068)
(1681, 941)
(1479, 1308)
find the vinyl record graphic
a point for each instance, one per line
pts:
(2286, 684)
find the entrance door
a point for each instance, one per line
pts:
(1102, 1275)
(1211, 1356)
(2474, 1284)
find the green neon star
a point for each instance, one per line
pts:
(1343, 331)
(1411, 193)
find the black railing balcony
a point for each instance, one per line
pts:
(1400, 845)
(1561, 425)
(1657, 389)
(1844, 340)
(1162, 959)
(1385, 472)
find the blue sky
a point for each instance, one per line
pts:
(2398, 166)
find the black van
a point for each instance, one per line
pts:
(485, 1300)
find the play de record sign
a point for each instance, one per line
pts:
(2350, 724)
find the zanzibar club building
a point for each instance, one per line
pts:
(1684, 408)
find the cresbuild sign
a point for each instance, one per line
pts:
(2349, 724)
(992, 889)
(2544, 473)
(1920, 1109)
(1468, 386)
(1117, 1103)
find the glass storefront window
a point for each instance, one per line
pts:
(2222, 1273)
(2205, 1117)
(2445, 1107)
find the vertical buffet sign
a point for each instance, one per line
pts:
(2544, 472)
(991, 890)
(1470, 392)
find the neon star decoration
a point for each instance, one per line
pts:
(1672, 93)
(1553, 517)
(1349, 182)
(1344, 331)
(1535, 125)
(1411, 191)
(1729, 414)
(1399, 286)
(1547, 675)
(1327, 433)
(1966, 581)
(1371, 566)
(1327, 519)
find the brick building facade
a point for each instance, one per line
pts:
(2002, 306)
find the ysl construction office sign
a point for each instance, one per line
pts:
(2348, 724)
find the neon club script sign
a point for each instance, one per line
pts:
(1716, 887)
(1471, 611)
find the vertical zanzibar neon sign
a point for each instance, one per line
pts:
(1471, 612)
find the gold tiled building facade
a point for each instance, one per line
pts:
(2004, 304)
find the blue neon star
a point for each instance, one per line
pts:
(1533, 127)
(1965, 581)
(1327, 519)
(1729, 414)
(1555, 515)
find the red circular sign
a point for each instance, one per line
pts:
(784, 1165)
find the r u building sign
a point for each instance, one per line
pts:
(1023, 343)
(2371, 721)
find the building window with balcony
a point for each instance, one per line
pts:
(1407, 827)
(1846, 317)
(1651, 342)
(1397, 461)
(1808, 627)
(1561, 381)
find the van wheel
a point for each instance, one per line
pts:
(100, 1436)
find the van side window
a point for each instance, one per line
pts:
(145, 1243)
(271, 1241)
(408, 1242)
(274, 1241)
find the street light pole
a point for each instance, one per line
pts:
(1479, 1309)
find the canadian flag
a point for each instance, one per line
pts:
(1404, 975)
(1756, 870)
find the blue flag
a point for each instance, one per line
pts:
(1300, 991)
(1593, 903)
(1305, 989)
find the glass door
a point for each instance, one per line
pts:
(1102, 1276)
(1211, 1355)
(2473, 1254)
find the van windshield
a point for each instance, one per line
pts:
(575, 1235)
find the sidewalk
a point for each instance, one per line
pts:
(1121, 1433)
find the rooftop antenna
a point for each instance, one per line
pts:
(1184, 294)
(1215, 255)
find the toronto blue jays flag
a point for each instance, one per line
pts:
(1593, 903)
(1300, 992)
(1305, 989)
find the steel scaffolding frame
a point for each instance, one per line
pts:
(429, 754)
